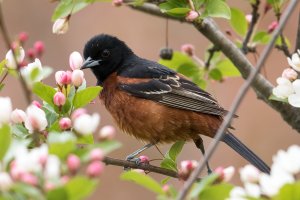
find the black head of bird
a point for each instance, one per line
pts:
(103, 54)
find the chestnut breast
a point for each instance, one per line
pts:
(150, 121)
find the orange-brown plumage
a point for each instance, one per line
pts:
(151, 121)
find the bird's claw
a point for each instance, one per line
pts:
(133, 159)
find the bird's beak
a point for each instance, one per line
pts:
(89, 63)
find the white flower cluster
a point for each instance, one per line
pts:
(288, 87)
(286, 165)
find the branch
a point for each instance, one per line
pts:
(262, 87)
(145, 167)
(7, 41)
(237, 101)
(283, 47)
(255, 16)
(211, 52)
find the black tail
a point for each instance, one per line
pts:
(244, 151)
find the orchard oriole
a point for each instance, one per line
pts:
(154, 103)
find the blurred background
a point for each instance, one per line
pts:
(258, 126)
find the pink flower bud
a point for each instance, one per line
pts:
(37, 104)
(225, 174)
(59, 99)
(30, 54)
(61, 26)
(188, 166)
(77, 77)
(166, 188)
(5, 181)
(248, 18)
(63, 77)
(144, 159)
(65, 179)
(65, 123)
(107, 132)
(289, 74)
(78, 112)
(96, 154)
(39, 47)
(73, 162)
(49, 186)
(75, 60)
(94, 169)
(191, 16)
(117, 3)
(23, 37)
(18, 116)
(29, 179)
(272, 26)
(188, 49)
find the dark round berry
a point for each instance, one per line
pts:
(166, 53)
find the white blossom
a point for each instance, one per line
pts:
(5, 181)
(5, 110)
(284, 88)
(52, 169)
(28, 70)
(86, 124)
(249, 174)
(10, 60)
(294, 61)
(36, 119)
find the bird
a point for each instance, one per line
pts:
(154, 103)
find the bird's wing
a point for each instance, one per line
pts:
(176, 92)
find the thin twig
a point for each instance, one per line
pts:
(3, 78)
(261, 85)
(7, 41)
(237, 101)
(297, 43)
(255, 16)
(283, 47)
(211, 52)
(145, 167)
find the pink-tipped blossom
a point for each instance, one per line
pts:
(59, 99)
(39, 47)
(23, 37)
(249, 18)
(225, 174)
(73, 163)
(188, 49)
(78, 112)
(144, 159)
(65, 123)
(188, 166)
(61, 26)
(166, 188)
(75, 60)
(29, 178)
(10, 59)
(94, 169)
(18, 116)
(77, 77)
(96, 154)
(86, 124)
(63, 77)
(37, 104)
(36, 119)
(117, 3)
(272, 26)
(191, 16)
(289, 74)
(107, 132)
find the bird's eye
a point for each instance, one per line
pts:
(105, 53)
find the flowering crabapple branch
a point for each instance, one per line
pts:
(26, 90)
(260, 84)
(237, 101)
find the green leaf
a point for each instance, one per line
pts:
(5, 140)
(85, 96)
(289, 191)
(45, 92)
(238, 21)
(80, 187)
(178, 12)
(205, 182)
(176, 8)
(108, 146)
(217, 8)
(86, 139)
(54, 127)
(216, 192)
(19, 131)
(1, 86)
(142, 180)
(175, 150)
(275, 98)
(227, 68)
(28, 190)
(66, 7)
(168, 163)
(61, 144)
(261, 37)
(57, 193)
(215, 74)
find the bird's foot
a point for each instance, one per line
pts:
(133, 159)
